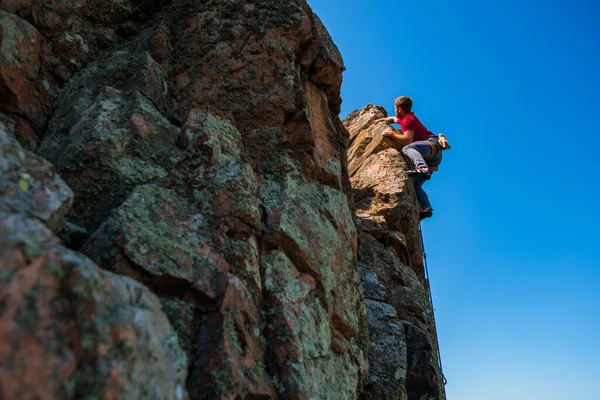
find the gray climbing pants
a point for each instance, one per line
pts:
(420, 155)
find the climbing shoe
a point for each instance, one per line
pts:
(425, 213)
(419, 174)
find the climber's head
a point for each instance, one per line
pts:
(402, 106)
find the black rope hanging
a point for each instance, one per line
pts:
(444, 380)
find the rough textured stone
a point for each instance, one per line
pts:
(359, 120)
(365, 138)
(21, 129)
(77, 30)
(270, 70)
(71, 330)
(229, 352)
(30, 184)
(24, 83)
(314, 325)
(372, 288)
(162, 236)
(73, 236)
(373, 224)
(221, 140)
(422, 376)
(117, 142)
(381, 189)
(404, 289)
(387, 353)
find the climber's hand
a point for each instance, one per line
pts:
(386, 120)
(387, 133)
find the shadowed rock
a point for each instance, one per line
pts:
(24, 82)
(30, 185)
(387, 353)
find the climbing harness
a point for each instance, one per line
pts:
(444, 380)
(438, 145)
(434, 150)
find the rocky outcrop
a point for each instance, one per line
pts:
(403, 357)
(195, 169)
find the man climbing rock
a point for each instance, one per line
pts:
(421, 146)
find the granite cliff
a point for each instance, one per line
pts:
(183, 215)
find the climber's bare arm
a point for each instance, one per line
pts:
(402, 139)
(387, 120)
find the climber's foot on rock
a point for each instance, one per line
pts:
(425, 213)
(422, 173)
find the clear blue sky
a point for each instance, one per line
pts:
(514, 248)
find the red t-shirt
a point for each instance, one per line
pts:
(411, 123)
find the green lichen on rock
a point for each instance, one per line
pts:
(120, 141)
(299, 331)
(207, 133)
(160, 233)
(312, 223)
(29, 184)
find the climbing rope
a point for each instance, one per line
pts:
(444, 380)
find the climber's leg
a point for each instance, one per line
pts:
(416, 151)
(421, 194)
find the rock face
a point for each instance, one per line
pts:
(403, 356)
(198, 147)
(69, 329)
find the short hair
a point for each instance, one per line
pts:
(403, 102)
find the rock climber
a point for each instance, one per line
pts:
(421, 146)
